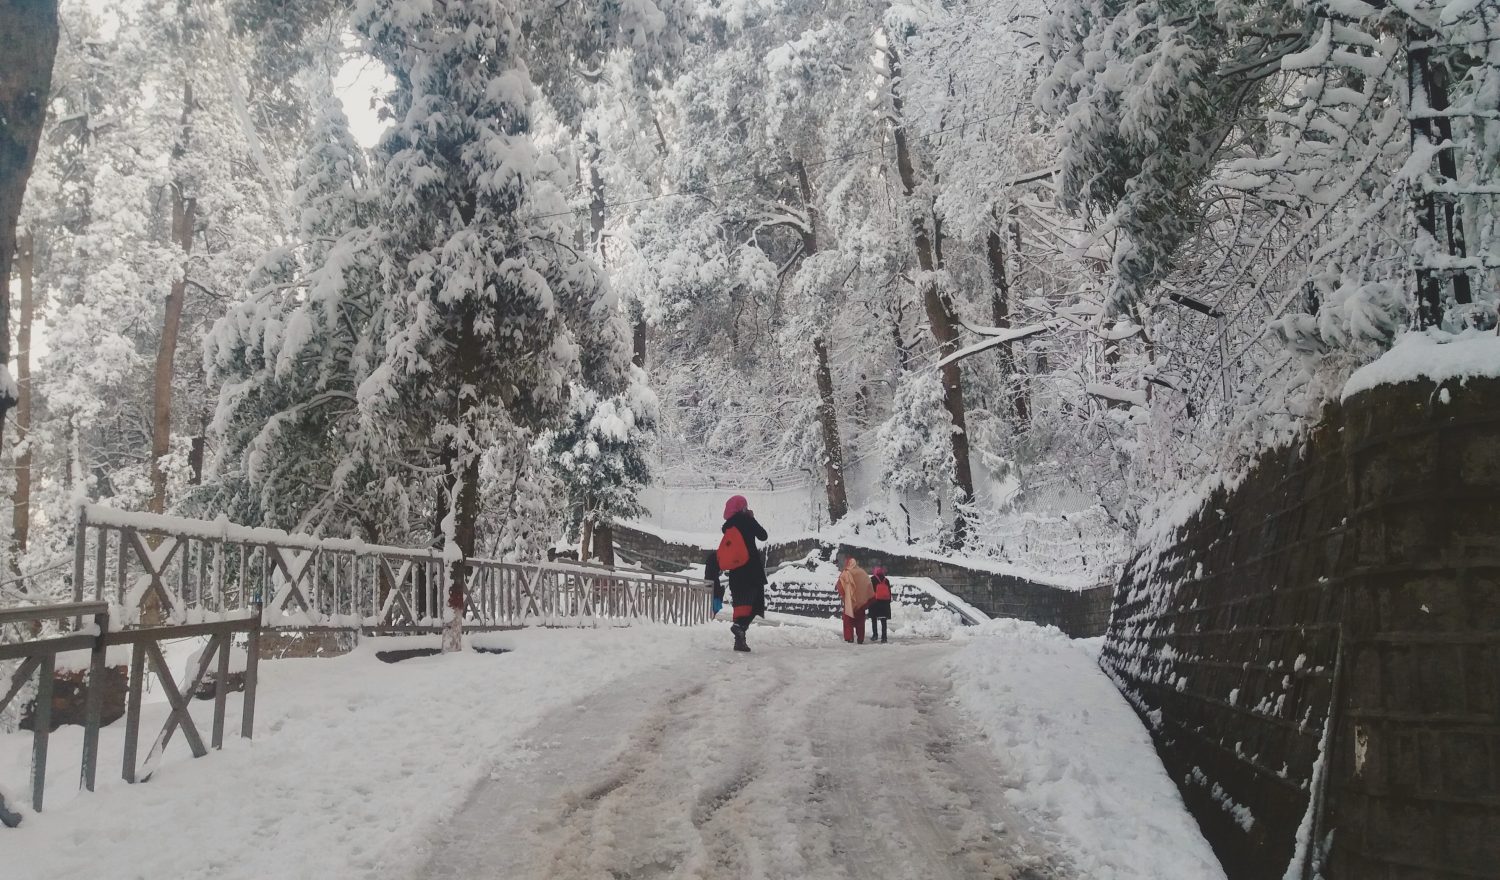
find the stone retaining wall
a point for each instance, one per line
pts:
(1079, 613)
(1354, 575)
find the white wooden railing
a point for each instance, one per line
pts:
(172, 570)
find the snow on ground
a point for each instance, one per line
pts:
(353, 761)
(1084, 768)
(645, 752)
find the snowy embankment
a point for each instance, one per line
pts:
(354, 760)
(1085, 770)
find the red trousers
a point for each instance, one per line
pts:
(855, 626)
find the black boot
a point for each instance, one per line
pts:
(739, 637)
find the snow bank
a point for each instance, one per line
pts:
(353, 762)
(1435, 356)
(1086, 769)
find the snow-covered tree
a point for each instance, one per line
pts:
(599, 455)
(292, 450)
(486, 310)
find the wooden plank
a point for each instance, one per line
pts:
(22, 650)
(19, 679)
(133, 710)
(56, 611)
(252, 672)
(80, 559)
(221, 691)
(94, 706)
(179, 715)
(42, 718)
(179, 631)
(171, 605)
(101, 561)
(122, 566)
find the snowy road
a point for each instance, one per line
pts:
(826, 762)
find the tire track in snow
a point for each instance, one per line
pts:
(836, 762)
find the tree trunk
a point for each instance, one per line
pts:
(604, 543)
(465, 535)
(939, 311)
(1015, 387)
(586, 531)
(833, 453)
(184, 217)
(463, 480)
(25, 265)
(833, 448)
(28, 43)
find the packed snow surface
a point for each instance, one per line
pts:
(647, 752)
(1435, 356)
(1079, 763)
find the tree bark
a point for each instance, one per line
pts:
(25, 265)
(939, 311)
(586, 531)
(827, 413)
(465, 535)
(463, 478)
(28, 44)
(833, 453)
(184, 218)
(604, 543)
(1015, 387)
(833, 448)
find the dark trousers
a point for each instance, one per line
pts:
(879, 628)
(855, 626)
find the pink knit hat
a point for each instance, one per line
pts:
(735, 504)
(879, 571)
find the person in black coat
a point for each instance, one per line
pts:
(747, 584)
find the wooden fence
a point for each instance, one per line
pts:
(159, 569)
(141, 579)
(38, 658)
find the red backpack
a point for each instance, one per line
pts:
(882, 589)
(732, 550)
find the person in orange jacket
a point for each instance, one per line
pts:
(855, 590)
(880, 606)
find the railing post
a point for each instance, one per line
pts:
(42, 718)
(252, 670)
(98, 669)
(221, 683)
(80, 560)
(133, 709)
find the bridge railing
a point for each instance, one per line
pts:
(38, 661)
(155, 570)
(140, 580)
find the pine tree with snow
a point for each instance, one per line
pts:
(599, 455)
(486, 310)
(293, 452)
